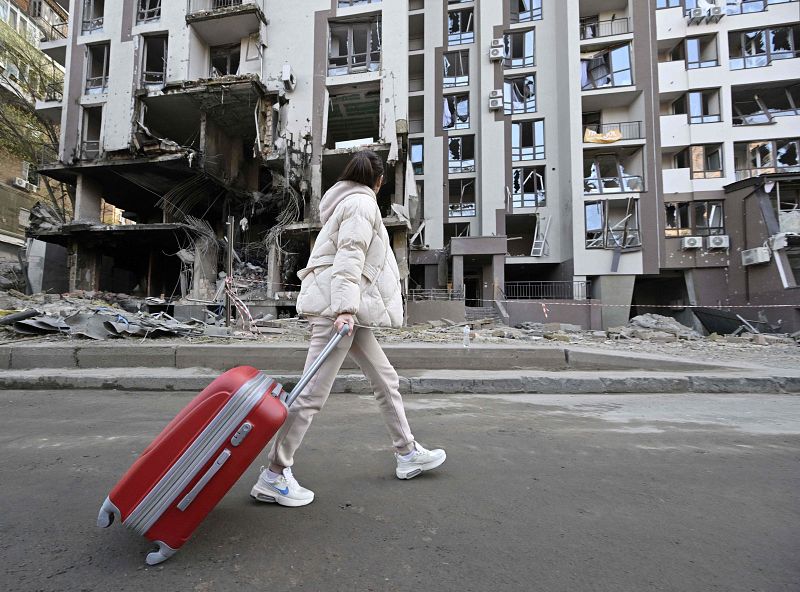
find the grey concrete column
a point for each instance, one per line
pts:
(458, 273)
(273, 271)
(88, 199)
(204, 273)
(616, 291)
(83, 265)
(498, 276)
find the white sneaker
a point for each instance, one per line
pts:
(285, 490)
(422, 460)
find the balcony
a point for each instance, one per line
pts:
(591, 30)
(51, 105)
(611, 133)
(760, 61)
(221, 22)
(546, 290)
(612, 185)
(677, 181)
(54, 41)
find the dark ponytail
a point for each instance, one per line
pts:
(365, 167)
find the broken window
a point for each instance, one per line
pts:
(708, 218)
(97, 67)
(678, 223)
(354, 47)
(527, 140)
(456, 68)
(225, 60)
(753, 106)
(606, 67)
(90, 137)
(417, 151)
(461, 154)
(460, 28)
(526, 10)
(520, 232)
(528, 187)
(520, 49)
(786, 201)
(149, 10)
(605, 173)
(92, 16)
(519, 95)
(455, 114)
(705, 161)
(759, 47)
(354, 118)
(612, 224)
(462, 198)
(155, 60)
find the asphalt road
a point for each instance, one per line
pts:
(554, 493)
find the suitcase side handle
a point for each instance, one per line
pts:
(306, 377)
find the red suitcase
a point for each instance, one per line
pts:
(198, 457)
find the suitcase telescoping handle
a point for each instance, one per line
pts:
(307, 376)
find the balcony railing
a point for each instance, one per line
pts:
(209, 5)
(90, 149)
(91, 24)
(760, 61)
(607, 132)
(463, 210)
(54, 32)
(433, 294)
(547, 290)
(748, 173)
(48, 154)
(624, 184)
(593, 30)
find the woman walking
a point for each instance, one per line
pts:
(351, 279)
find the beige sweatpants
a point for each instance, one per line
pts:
(367, 353)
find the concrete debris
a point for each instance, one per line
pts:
(658, 324)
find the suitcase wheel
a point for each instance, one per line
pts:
(161, 554)
(107, 513)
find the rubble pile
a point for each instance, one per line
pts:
(11, 277)
(654, 327)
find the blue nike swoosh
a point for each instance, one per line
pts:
(281, 491)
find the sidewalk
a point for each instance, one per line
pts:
(423, 368)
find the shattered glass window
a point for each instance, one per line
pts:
(354, 47)
(97, 68)
(595, 222)
(92, 15)
(149, 10)
(787, 153)
(520, 49)
(528, 187)
(677, 220)
(759, 105)
(456, 68)
(622, 224)
(519, 95)
(455, 113)
(460, 27)
(461, 154)
(523, 11)
(708, 218)
(606, 68)
(462, 202)
(527, 140)
(417, 149)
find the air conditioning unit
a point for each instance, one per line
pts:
(498, 43)
(496, 94)
(715, 13)
(695, 16)
(755, 256)
(495, 104)
(288, 78)
(21, 183)
(691, 242)
(497, 54)
(722, 241)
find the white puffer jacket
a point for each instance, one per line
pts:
(352, 268)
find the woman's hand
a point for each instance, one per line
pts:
(345, 319)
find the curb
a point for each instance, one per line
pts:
(428, 385)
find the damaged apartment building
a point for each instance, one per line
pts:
(209, 121)
(549, 160)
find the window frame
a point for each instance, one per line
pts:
(375, 28)
(90, 88)
(462, 207)
(92, 23)
(532, 12)
(519, 177)
(462, 165)
(609, 64)
(148, 11)
(526, 61)
(528, 105)
(164, 37)
(536, 151)
(457, 123)
(461, 79)
(466, 32)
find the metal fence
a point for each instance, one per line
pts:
(547, 290)
(435, 294)
(207, 5)
(53, 32)
(592, 30)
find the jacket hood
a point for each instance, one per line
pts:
(338, 193)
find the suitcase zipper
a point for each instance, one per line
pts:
(186, 468)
